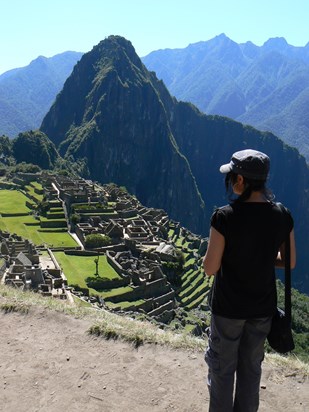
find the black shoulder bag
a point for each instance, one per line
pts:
(280, 336)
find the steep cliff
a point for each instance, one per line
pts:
(110, 112)
(208, 142)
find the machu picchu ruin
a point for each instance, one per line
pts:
(151, 265)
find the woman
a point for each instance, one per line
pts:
(246, 242)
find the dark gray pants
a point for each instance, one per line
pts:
(235, 346)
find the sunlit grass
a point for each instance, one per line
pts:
(13, 201)
(78, 268)
(32, 192)
(29, 228)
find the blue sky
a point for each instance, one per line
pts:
(30, 28)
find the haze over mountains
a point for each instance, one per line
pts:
(119, 120)
(27, 93)
(267, 86)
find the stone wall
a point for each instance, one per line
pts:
(53, 223)
(166, 307)
(2, 266)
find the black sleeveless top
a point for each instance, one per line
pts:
(245, 286)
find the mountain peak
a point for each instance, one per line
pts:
(115, 48)
(276, 43)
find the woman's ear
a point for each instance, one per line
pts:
(240, 180)
(239, 186)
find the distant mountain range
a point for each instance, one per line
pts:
(27, 93)
(267, 86)
(119, 120)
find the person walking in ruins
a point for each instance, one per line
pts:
(246, 243)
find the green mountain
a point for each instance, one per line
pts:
(110, 113)
(267, 86)
(114, 115)
(27, 93)
(35, 147)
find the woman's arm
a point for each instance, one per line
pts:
(214, 253)
(280, 261)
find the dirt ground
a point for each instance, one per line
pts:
(49, 363)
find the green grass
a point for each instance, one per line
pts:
(37, 185)
(197, 301)
(109, 293)
(45, 219)
(191, 286)
(189, 328)
(12, 201)
(124, 305)
(30, 190)
(187, 277)
(29, 228)
(179, 241)
(78, 268)
(189, 262)
(195, 292)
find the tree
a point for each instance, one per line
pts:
(97, 240)
(75, 218)
(96, 261)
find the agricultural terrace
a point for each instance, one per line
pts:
(34, 189)
(194, 285)
(13, 203)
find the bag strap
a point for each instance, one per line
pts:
(287, 281)
(287, 294)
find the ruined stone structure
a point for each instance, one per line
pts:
(24, 270)
(140, 246)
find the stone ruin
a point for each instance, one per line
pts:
(23, 269)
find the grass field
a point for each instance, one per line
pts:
(12, 201)
(78, 268)
(124, 305)
(29, 228)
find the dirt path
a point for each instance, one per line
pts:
(49, 363)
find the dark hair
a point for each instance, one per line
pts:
(251, 185)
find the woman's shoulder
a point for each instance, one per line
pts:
(223, 210)
(284, 212)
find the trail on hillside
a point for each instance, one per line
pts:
(49, 363)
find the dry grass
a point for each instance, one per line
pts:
(8, 307)
(112, 326)
(291, 365)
